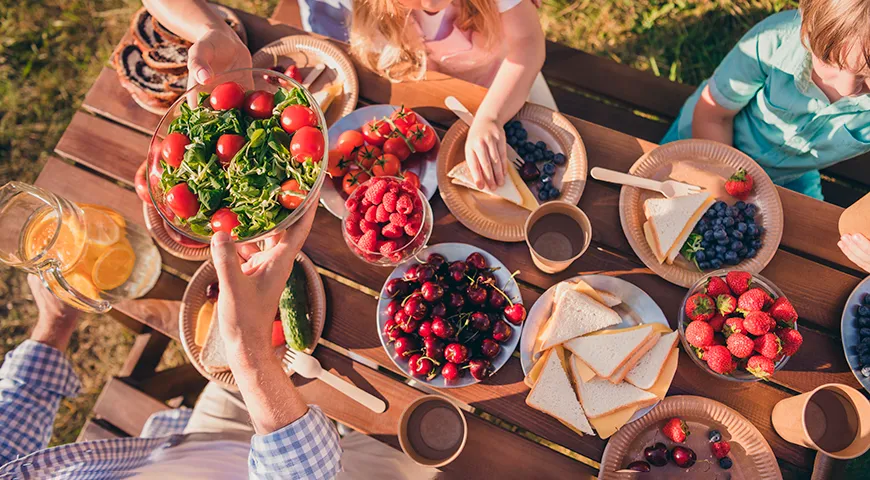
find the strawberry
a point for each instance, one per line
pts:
(699, 334)
(791, 340)
(405, 204)
(389, 247)
(726, 304)
(382, 215)
(700, 307)
(740, 345)
(367, 226)
(717, 322)
(719, 359)
(768, 345)
(757, 323)
(739, 185)
(783, 311)
(369, 241)
(390, 199)
(391, 230)
(371, 214)
(676, 430)
(719, 339)
(760, 366)
(351, 224)
(734, 325)
(352, 204)
(399, 219)
(720, 449)
(753, 300)
(738, 282)
(376, 191)
(716, 286)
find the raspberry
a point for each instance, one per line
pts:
(371, 214)
(382, 215)
(412, 228)
(351, 224)
(364, 204)
(391, 231)
(367, 226)
(399, 219)
(352, 204)
(376, 191)
(418, 204)
(408, 187)
(405, 204)
(389, 201)
(369, 241)
(389, 247)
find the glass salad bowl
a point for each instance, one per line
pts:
(242, 153)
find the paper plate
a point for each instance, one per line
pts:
(637, 308)
(423, 164)
(496, 218)
(715, 158)
(305, 52)
(157, 228)
(849, 329)
(194, 298)
(752, 456)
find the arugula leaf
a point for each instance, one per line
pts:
(691, 247)
(285, 98)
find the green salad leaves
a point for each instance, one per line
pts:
(691, 247)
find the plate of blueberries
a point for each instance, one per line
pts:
(540, 168)
(725, 236)
(855, 326)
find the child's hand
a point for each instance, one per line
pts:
(485, 153)
(218, 50)
(857, 248)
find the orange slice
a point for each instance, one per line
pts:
(102, 229)
(83, 284)
(115, 216)
(114, 267)
(67, 247)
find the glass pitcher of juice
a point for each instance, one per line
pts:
(89, 256)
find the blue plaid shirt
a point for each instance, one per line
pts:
(35, 377)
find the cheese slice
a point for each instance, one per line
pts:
(609, 424)
(581, 369)
(660, 388)
(513, 190)
(327, 94)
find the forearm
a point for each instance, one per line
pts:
(189, 19)
(510, 89)
(717, 129)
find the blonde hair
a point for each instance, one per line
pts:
(380, 37)
(831, 28)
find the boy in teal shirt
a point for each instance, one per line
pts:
(793, 94)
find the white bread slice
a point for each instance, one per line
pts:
(648, 369)
(610, 299)
(213, 354)
(554, 395)
(600, 397)
(620, 374)
(513, 190)
(605, 354)
(577, 314)
(670, 222)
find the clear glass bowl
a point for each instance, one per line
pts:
(405, 252)
(251, 79)
(738, 375)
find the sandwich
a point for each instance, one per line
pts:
(647, 370)
(606, 354)
(213, 355)
(620, 374)
(554, 395)
(600, 397)
(670, 222)
(514, 189)
(576, 314)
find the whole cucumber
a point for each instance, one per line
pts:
(293, 307)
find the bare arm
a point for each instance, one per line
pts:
(711, 121)
(190, 19)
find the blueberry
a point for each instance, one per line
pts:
(740, 205)
(714, 436)
(743, 252)
(540, 184)
(717, 222)
(863, 322)
(731, 212)
(862, 348)
(701, 256)
(739, 218)
(513, 124)
(728, 222)
(865, 341)
(864, 332)
(737, 234)
(719, 234)
(725, 242)
(710, 213)
(866, 299)
(725, 463)
(720, 257)
(736, 245)
(721, 249)
(511, 140)
(731, 257)
(548, 155)
(543, 194)
(539, 155)
(522, 134)
(719, 205)
(529, 158)
(549, 168)
(559, 159)
(756, 244)
(529, 146)
(721, 213)
(864, 310)
(554, 192)
(540, 145)
(760, 231)
(865, 370)
(750, 210)
(864, 359)
(546, 178)
(704, 265)
(708, 235)
(706, 244)
(715, 263)
(751, 253)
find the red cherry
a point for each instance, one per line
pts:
(496, 299)
(501, 331)
(438, 310)
(425, 328)
(425, 273)
(396, 286)
(405, 346)
(476, 261)
(432, 292)
(392, 308)
(480, 368)
(480, 321)
(515, 313)
(457, 271)
(410, 274)
(456, 301)
(436, 260)
(450, 371)
(410, 326)
(456, 353)
(416, 309)
(442, 328)
(489, 348)
(421, 366)
(391, 330)
(433, 347)
(486, 277)
(476, 294)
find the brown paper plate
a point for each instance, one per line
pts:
(752, 456)
(194, 297)
(710, 157)
(157, 228)
(306, 52)
(496, 218)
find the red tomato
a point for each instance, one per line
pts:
(422, 137)
(398, 147)
(349, 141)
(182, 201)
(411, 178)
(387, 165)
(227, 146)
(142, 185)
(295, 117)
(293, 72)
(338, 164)
(227, 96)
(376, 132)
(367, 155)
(404, 119)
(173, 148)
(259, 104)
(289, 200)
(307, 145)
(277, 334)
(353, 179)
(224, 220)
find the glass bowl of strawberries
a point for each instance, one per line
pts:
(738, 326)
(387, 221)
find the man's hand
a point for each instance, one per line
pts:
(57, 321)
(218, 50)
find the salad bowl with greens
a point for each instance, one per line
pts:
(242, 154)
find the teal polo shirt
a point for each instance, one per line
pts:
(786, 123)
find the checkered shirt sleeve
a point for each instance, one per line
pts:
(306, 449)
(33, 379)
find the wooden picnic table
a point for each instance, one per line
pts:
(106, 142)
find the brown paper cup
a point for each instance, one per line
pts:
(432, 431)
(557, 233)
(833, 419)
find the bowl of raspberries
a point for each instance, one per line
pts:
(387, 221)
(738, 326)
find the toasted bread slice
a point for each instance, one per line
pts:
(647, 370)
(600, 397)
(554, 395)
(605, 354)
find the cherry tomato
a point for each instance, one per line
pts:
(404, 119)
(367, 155)
(338, 164)
(293, 72)
(349, 141)
(173, 148)
(182, 201)
(295, 117)
(307, 145)
(227, 96)
(411, 178)
(228, 145)
(259, 104)
(387, 165)
(141, 184)
(422, 137)
(398, 147)
(224, 220)
(353, 179)
(277, 334)
(289, 200)
(376, 131)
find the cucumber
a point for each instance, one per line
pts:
(293, 308)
